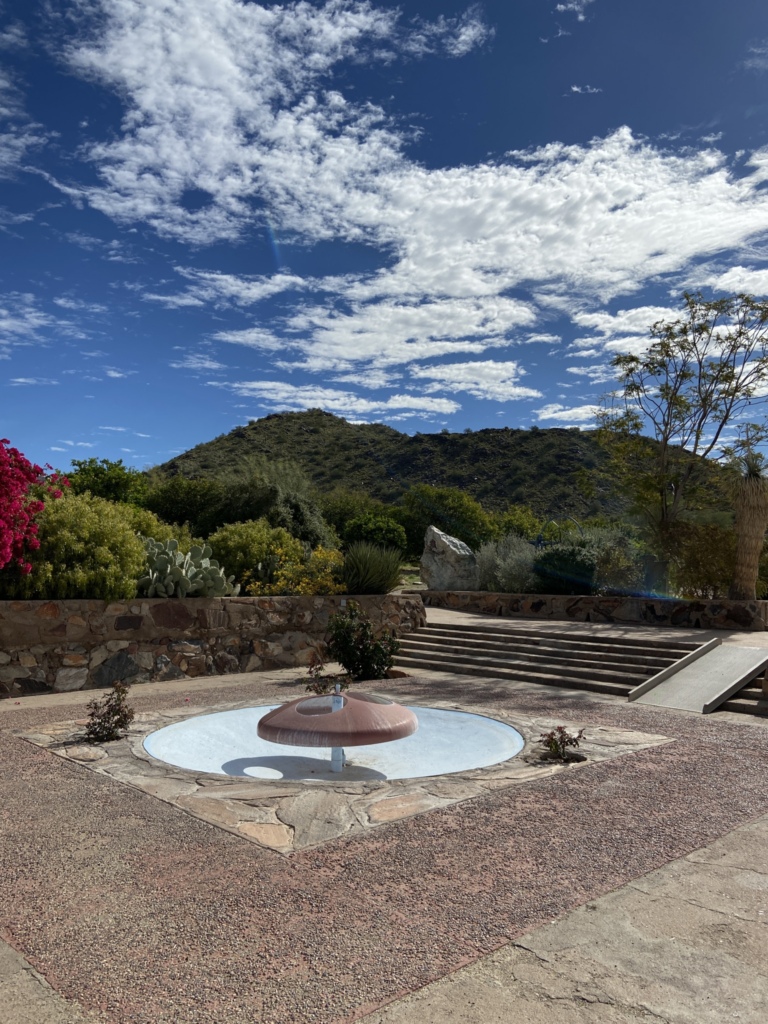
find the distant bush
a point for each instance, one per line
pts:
(517, 519)
(449, 509)
(702, 566)
(599, 560)
(88, 549)
(371, 569)
(375, 529)
(341, 505)
(106, 479)
(255, 551)
(506, 565)
(149, 525)
(320, 573)
(565, 568)
(209, 503)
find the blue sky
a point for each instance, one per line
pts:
(431, 215)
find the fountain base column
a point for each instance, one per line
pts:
(337, 759)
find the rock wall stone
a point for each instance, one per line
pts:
(625, 611)
(56, 646)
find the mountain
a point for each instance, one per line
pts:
(540, 468)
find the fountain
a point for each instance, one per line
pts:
(390, 741)
(337, 720)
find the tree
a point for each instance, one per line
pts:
(22, 485)
(691, 391)
(449, 509)
(751, 505)
(106, 479)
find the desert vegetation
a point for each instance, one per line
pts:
(668, 495)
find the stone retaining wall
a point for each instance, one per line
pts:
(624, 611)
(55, 646)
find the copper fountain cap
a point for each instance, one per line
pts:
(363, 718)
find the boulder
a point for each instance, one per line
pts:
(447, 563)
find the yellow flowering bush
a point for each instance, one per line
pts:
(319, 574)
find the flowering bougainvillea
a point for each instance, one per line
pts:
(19, 506)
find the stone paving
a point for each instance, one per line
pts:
(287, 816)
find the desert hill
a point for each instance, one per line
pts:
(540, 468)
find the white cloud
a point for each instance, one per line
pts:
(194, 361)
(740, 279)
(225, 103)
(576, 414)
(486, 379)
(279, 395)
(22, 322)
(253, 337)
(576, 7)
(598, 373)
(232, 121)
(215, 288)
(31, 381)
(758, 57)
(116, 374)
(373, 379)
(389, 333)
(80, 305)
(118, 430)
(584, 90)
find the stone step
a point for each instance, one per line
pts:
(673, 647)
(538, 650)
(745, 706)
(521, 675)
(491, 666)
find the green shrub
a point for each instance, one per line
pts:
(358, 650)
(341, 505)
(106, 479)
(375, 529)
(319, 574)
(88, 549)
(506, 565)
(450, 510)
(255, 551)
(370, 569)
(149, 525)
(109, 717)
(702, 566)
(566, 568)
(517, 519)
(619, 568)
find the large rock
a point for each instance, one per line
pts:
(447, 563)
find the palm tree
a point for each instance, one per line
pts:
(751, 506)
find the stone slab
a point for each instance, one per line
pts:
(704, 685)
(685, 944)
(27, 998)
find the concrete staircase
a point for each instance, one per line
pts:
(586, 661)
(751, 700)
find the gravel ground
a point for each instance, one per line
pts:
(146, 915)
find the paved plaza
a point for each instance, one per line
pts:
(632, 887)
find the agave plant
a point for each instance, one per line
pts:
(371, 569)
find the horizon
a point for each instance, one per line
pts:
(439, 216)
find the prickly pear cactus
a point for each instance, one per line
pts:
(173, 574)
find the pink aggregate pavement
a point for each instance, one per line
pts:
(142, 914)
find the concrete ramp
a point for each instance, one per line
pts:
(704, 684)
